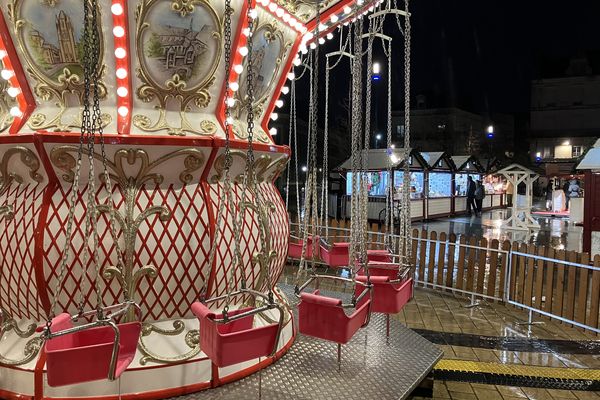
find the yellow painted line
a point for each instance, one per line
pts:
(518, 370)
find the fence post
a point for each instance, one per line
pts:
(450, 269)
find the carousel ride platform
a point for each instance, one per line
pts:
(372, 366)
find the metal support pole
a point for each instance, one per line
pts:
(387, 325)
(473, 302)
(339, 351)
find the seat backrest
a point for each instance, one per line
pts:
(60, 323)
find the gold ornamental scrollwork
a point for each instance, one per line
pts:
(265, 168)
(179, 54)
(192, 340)
(304, 10)
(271, 33)
(57, 71)
(131, 182)
(32, 347)
(30, 160)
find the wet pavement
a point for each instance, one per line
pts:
(558, 233)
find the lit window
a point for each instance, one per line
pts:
(577, 151)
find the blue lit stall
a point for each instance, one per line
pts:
(438, 183)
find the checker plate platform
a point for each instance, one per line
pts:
(372, 367)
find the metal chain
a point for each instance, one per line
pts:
(389, 221)
(406, 233)
(325, 176)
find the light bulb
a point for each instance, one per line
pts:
(285, 90)
(329, 36)
(291, 76)
(122, 91)
(230, 101)
(246, 32)
(16, 112)
(322, 27)
(273, 131)
(229, 120)
(297, 61)
(120, 52)
(13, 91)
(121, 73)
(360, 2)
(253, 13)
(118, 31)
(234, 86)
(243, 51)
(239, 68)
(3, 54)
(286, 17)
(6, 74)
(313, 46)
(123, 111)
(321, 41)
(279, 103)
(334, 18)
(116, 9)
(280, 12)
(347, 10)
(274, 116)
(273, 7)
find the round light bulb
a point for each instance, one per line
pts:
(297, 61)
(321, 41)
(243, 51)
(122, 91)
(118, 31)
(280, 12)
(273, 7)
(313, 46)
(230, 102)
(274, 116)
(291, 76)
(121, 73)
(334, 18)
(229, 120)
(329, 36)
(16, 112)
(285, 90)
(234, 86)
(3, 54)
(13, 91)
(253, 13)
(120, 52)
(116, 9)
(273, 131)
(347, 10)
(123, 111)
(238, 68)
(6, 74)
(279, 103)
(246, 32)
(286, 17)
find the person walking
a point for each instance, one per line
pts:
(471, 206)
(479, 196)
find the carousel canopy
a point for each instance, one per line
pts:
(591, 160)
(378, 159)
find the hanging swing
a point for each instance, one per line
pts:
(103, 348)
(322, 316)
(392, 286)
(231, 337)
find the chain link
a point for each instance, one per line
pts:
(406, 233)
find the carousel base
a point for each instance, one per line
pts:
(147, 377)
(372, 365)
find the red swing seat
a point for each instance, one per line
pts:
(85, 355)
(235, 341)
(295, 249)
(337, 255)
(324, 318)
(388, 297)
(379, 256)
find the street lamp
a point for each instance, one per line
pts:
(490, 131)
(304, 168)
(376, 71)
(377, 139)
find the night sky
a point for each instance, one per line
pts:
(481, 55)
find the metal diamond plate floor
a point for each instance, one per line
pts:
(372, 367)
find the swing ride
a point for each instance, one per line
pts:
(143, 239)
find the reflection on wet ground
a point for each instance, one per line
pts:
(557, 233)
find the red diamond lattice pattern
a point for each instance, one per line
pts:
(250, 239)
(18, 288)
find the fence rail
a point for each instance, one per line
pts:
(559, 284)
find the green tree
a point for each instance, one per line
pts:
(155, 49)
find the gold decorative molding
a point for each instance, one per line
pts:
(305, 10)
(131, 182)
(272, 33)
(176, 93)
(30, 160)
(32, 347)
(68, 84)
(192, 340)
(266, 169)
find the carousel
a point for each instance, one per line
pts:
(142, 236)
